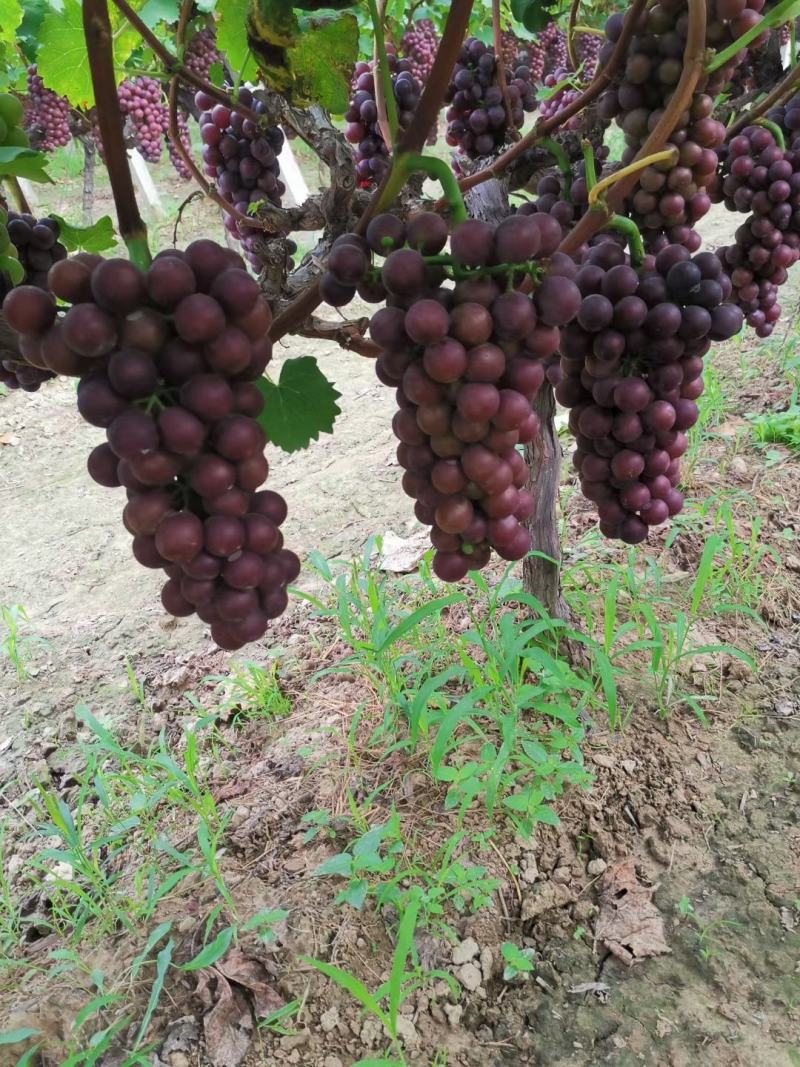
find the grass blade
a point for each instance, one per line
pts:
(405, 943)
(163, 960)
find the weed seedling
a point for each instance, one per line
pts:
(518, 962)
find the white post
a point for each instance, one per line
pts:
(145, 182)
(291, 176)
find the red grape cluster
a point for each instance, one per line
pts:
(588, 49)
(632, 364)
(167, 360)
(363, 130)
(37, 249)
(670, 196)
(760, 177)
(477, 119)
(47, 116)
(564, 89)
(553, 41)
(467, 363)
(141, 103)
(419, 45)
(243, 159)
(201, 52)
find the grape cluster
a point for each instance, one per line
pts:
(418, 46)
(567, 90)
(760, 177)
(632, 363)
(670, 196)
(243, 160)
(477, 119)
(142, 105)
(588, 49)
(467, 363)
(553, 42)
(34, 246)
(47, 117)
(201, 52)
(362, 129)
(167, 360)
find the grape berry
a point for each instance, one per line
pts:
(166, 360)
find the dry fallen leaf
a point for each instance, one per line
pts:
(252, 976)
(629, 923)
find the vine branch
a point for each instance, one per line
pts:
(573, 18)
(99, 46)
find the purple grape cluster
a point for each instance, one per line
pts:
(37, 248)
(477, 119)
(632, 363)
(588, 47)
(760, 177)
(553, 42)
(467, 363)
(141, 101)
(567, 91)
(419, 45)
(47, 115)
(243, 160)
(362, 129)
(201, 52)
(167, 360)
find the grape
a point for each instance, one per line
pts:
(477, 119)
(47, 120)
(363, 129)
(145, 113)
(626, 385)
(467, 364)
(243, 160)
(768, 242)
(179, 410)
(418, 46)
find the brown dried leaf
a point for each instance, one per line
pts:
(252, 976)
(629, 924)
(228, 1026)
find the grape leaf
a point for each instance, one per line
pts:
(96, 238)
(533, 14)
(62, 58)
(23, 163)
(322, 62)
(10, 18)
(300, 406)
(232, 32)
(155, 11)
(274, 23)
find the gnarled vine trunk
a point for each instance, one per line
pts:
(541, 577)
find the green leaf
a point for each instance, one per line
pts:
(405, 943)
(23, 163)
(300, 407)
(12, 268)
(97, 238)
(10, 18)
(212, 952)
(152, 941)
(163, 961)
(62, 57)
(533, 14)
(321, 62)
(341, 864)
(26, 1059)
(13, 1037)
(232, 32)
(351, 985)
(155, 11)
(355, 894)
